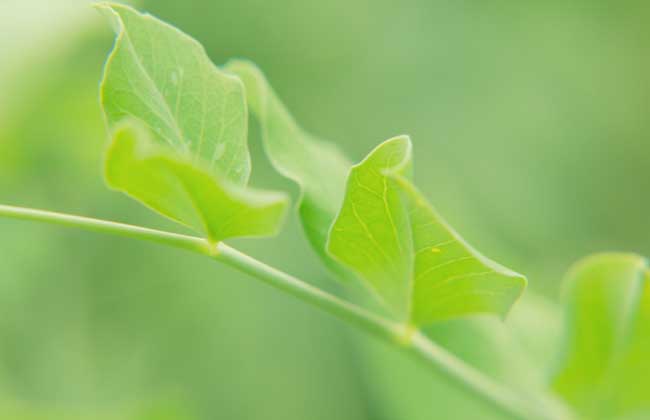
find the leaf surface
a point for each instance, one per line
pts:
(185, 192)
(318, 167)
(194, 164)
(604, 369)
(388, 234)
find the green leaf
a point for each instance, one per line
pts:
(604, 369)
(187, 193)
(371, 234)
(319, 168)
(194, 164)
(388, 234)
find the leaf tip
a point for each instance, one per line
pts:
(108, 9)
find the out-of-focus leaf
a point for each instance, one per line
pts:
(536, 323)
(604, 370)
(195, 166)
(388, 234)
(319, 168)
(185, 192)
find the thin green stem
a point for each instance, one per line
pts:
(176, 240)
(512, 404)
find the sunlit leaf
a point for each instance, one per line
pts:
(371, 234)
(183, 191)
(388, 234)
(197, 119)
(604, 369)
(319, 168)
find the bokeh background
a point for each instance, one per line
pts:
(532, 137)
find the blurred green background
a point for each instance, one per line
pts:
(531, 136)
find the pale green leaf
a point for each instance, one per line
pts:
(164, 78)
(451, 278)
(371, 234)
(195, 164)
(604, 370)
(183, 191)
(388, 234)
(319, 168)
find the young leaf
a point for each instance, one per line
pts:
(187, 193)
(194, 165)
(450, 277)
(319, 168)
(371, 234)
(604, 369)
(388, 234)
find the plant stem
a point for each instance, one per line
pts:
(95, 225)
(508, 402)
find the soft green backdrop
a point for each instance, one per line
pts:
(531, 136)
